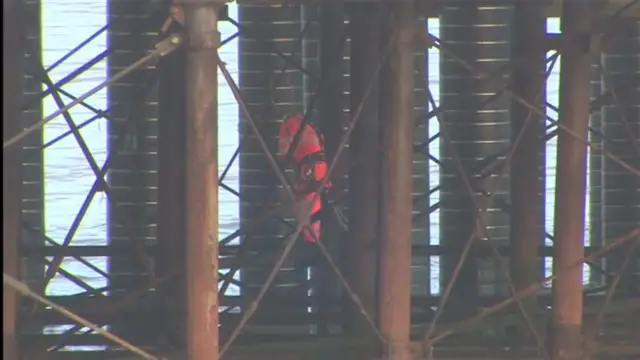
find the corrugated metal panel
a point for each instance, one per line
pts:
(271, 94)
(171, 219)
(133, 173)
(332, 107)
(420, 270)
(621, 197)
(595, 168)
(364, 161)
(528, 163)
(33, 170)
(480, 35)
(320, 275)
(310, 50)
(311, 60)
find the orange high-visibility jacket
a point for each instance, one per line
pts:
(308, 156)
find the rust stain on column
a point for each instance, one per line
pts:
(201, 160)
(527, 165)
(12, 44)
(364, 158)
(575, 77)
(397, 146)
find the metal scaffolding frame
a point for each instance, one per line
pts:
(233, 256)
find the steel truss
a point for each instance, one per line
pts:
(236, 254)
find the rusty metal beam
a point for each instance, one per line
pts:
(201, 159)
(228, 253)
(13, 52)
(162, 48)
(286, 304)
(364, 154)
(575, 90)
(396, 174)
(528, 159)
(24, 290)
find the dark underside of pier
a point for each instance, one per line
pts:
(402, 215)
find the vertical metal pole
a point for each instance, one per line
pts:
(571, 182)
(12, 45)
(527, 165)
(395, 244)
(202, 39)
(171, 184)
(332, 120)
(364, 157)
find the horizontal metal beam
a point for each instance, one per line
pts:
(320, 350)
(228, 253)
(102, 304)
(552, 8)
(266, 346)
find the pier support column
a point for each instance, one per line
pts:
(201, 159)
(621, 125)
(364, 165)
(13, 52)
(396, 174)
(575, 77)
(527, 165)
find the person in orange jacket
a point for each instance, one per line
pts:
(311, 165)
